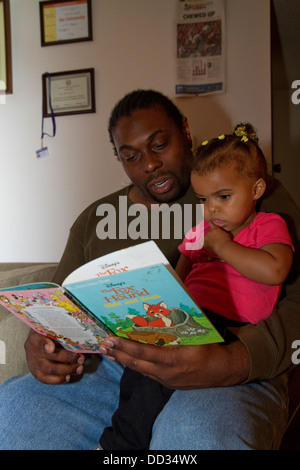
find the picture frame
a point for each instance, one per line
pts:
(5, 49)
(65, 21)
(70, 92)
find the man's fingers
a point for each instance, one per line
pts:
(49, 346)
(126, 347)
(146, 359)
(56, 354)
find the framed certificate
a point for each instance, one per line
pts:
(5, 48)
(64, 21)
(71, 92)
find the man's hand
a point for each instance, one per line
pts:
(182, 367)
(48, 362)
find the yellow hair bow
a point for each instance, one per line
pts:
(242, 132)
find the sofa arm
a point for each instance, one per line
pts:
(13, 332)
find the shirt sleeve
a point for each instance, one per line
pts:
(272, 228)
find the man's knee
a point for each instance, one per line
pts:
(231, 418)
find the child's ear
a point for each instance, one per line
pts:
(259, 188)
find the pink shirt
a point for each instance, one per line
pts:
(218, 287)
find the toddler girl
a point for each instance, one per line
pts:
(239, 257)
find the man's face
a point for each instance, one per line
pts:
(155, 155)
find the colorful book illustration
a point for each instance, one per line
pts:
(133, 293)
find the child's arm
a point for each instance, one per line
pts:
(269, 265)
(183, 267)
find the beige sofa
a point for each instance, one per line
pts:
(13, 332)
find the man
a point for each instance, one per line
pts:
(229, 396)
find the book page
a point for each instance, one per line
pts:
(50, 313)
(148, 305)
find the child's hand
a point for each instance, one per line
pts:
(215, 239)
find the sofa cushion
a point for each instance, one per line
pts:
(15, 274)
(13, 332)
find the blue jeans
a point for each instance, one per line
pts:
(34, 416)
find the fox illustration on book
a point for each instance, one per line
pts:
(159, 311)
(169, 326)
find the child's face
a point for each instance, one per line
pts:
(229, 200)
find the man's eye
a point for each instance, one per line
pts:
(159, 146)
(131, 157)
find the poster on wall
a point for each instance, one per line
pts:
(200, 47)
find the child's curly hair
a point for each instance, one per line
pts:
(239, 148)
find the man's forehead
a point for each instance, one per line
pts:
(143, 124)
(146, 115)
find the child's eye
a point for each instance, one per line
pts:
(202, 200)
(224, 196)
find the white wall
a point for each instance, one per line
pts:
(133, 48)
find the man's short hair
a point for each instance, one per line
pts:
(142, 99)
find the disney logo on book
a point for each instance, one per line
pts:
(111, 285)
(106, 265)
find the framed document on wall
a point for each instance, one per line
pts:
(65, 21)
(5, 48)
(71, 92)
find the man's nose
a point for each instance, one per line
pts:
(152, 162)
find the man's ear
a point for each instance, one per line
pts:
(186, 131)
(259, 188)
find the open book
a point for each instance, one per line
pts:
(133, 293)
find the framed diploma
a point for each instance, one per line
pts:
(5, 48)
(71, 92)
(64, 21)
